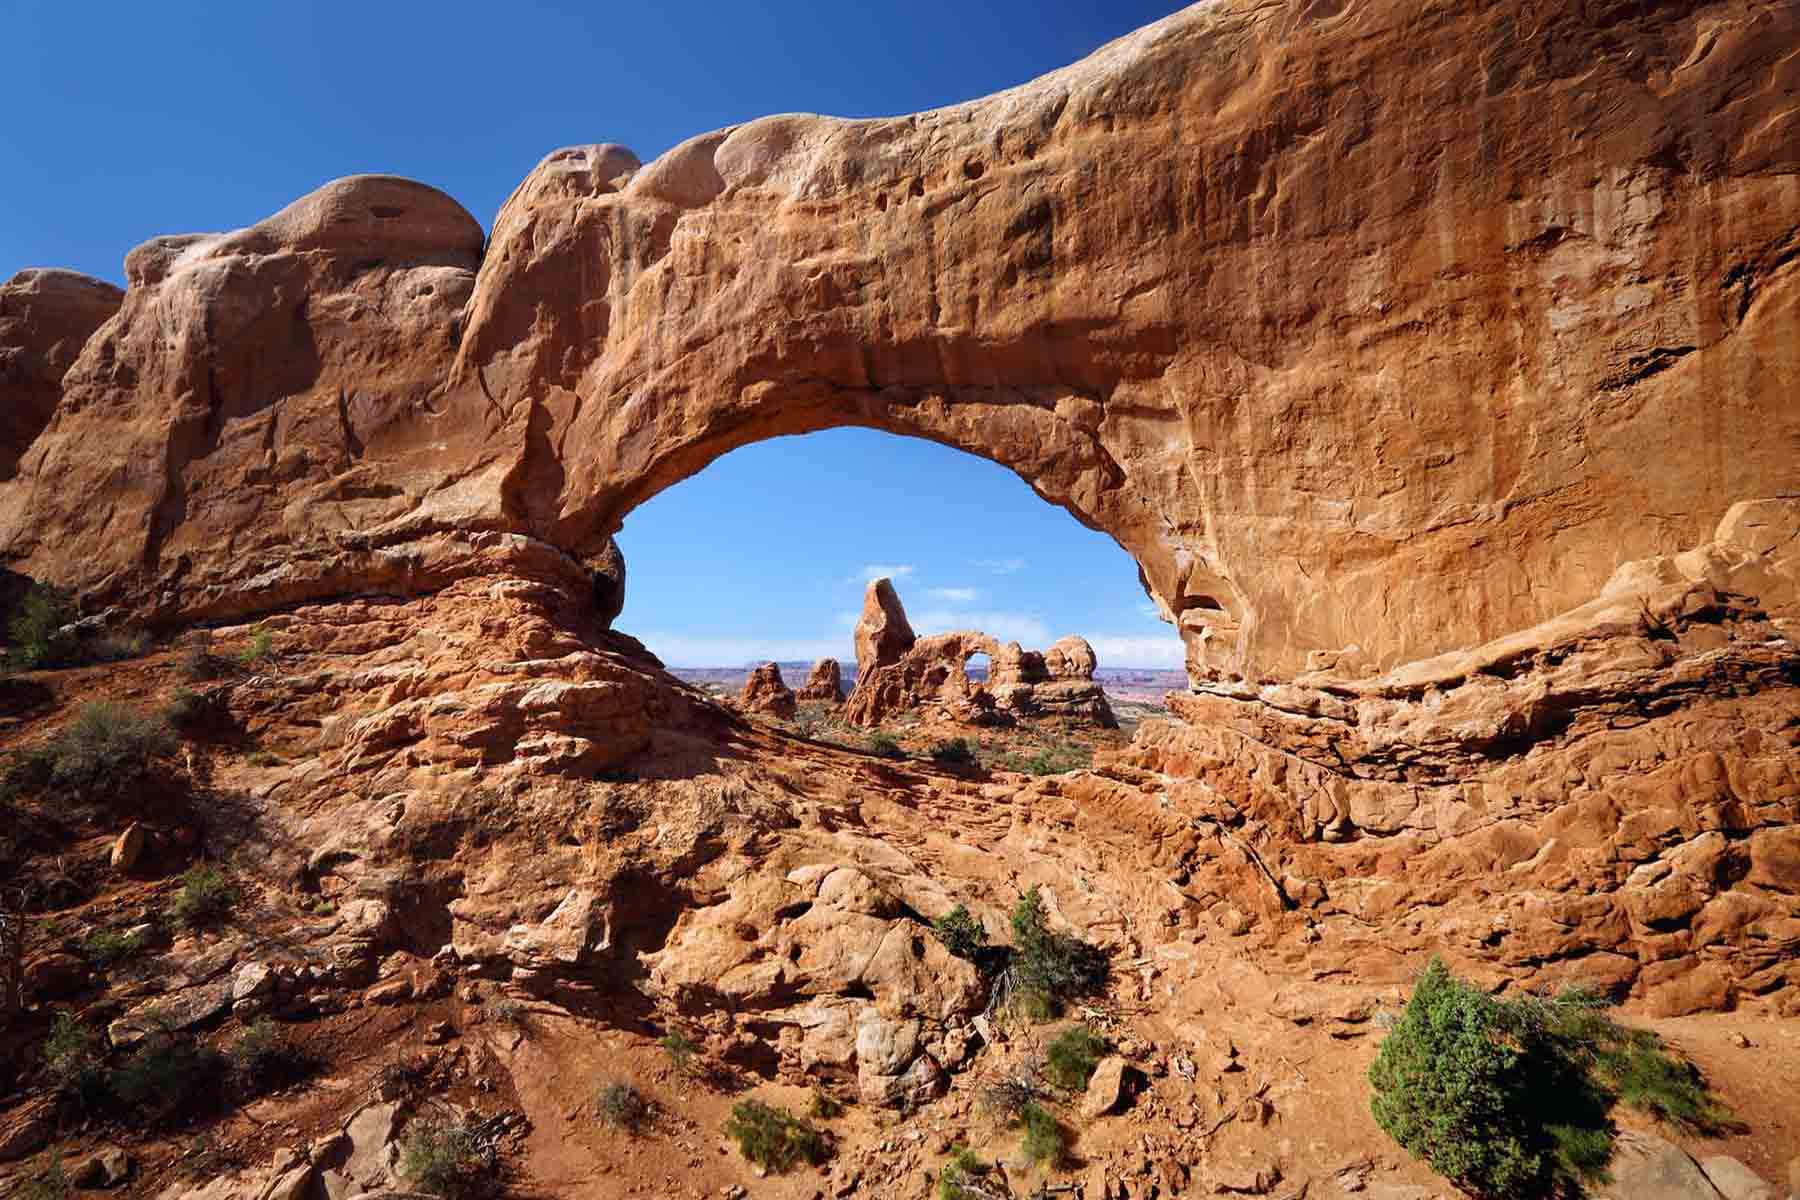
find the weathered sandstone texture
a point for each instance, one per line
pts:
(826, 682)
(46, 317)
(1436, 364)
(766, 691)
(898, 672)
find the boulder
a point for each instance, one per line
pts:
(107, 1167)
(765, 691)
(54, 976)
(1735, 1181)
(129, 847)
(1107, 1087)
(1647, 1167)
(825, 683)
(25, 1132)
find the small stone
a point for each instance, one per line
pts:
(128, 848)
(1740, 1041)
(1107, 1088)
(394, 991)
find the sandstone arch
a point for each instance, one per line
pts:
(1361, 363)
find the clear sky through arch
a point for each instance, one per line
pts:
(765, 554)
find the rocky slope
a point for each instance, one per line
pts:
(1436, 364)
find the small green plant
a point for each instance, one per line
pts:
(504, 1010)
(883, 745)
(956, 1179)
(53, 1184)
(263, 1059)
(166, 1080)
(118, 646)
(962, 934)
(103, 755)
(199, 663)
(205, 898)
(680, 1050)
(956, 752)
(825, 1106)
(1006, 1095)
(1072, 1057)
(1052, 760)
(187, 710)
(107, 947)
(1044, 1140)
(40, 630)
(261, 646)
(449, 1159)
(72, 1058)
(1049, 968)
(773, 1138)
(622, 1106)
(1512, 1098)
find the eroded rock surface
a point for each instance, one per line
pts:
(766, 691)
(826, 682)
(46, 317)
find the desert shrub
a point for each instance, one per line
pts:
(448, 1158)
(72, 1059)
(187, 710)
(1072, 1057)
(961, 933)
(1511, 1098)
(40, 630)
(259, 648)
(53, 1184)
(1005, 1096)
(118, 645)
(1052, 760)
(883, 745)
(956, 752)
(199, 663)
(1049, 968)
(106, 947)
(103, 755)
(680, 1050)
(205, 898)
(263, 1059)
(956, 1179)
(166, 1080)
(1044, 1140)
(622, 1106)
(773, 1138)
(504, 1010)
(824, 1106)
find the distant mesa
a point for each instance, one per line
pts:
(897, 671)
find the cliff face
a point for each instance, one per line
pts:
(1371, 331)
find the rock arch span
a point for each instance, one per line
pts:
(1361, 363)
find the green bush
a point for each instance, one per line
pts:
(263, 1059)
(1047, 967)
(1512, 1098)
(622, 1106)
(205, 898)
(103, 755)
(825, 1106)
(1072, 1058)
(956, 1178)
(117, 646)
(165, 1081)
(1052, 760)
(1044, 1141)
(883, 745)
(39, 629)
(261, 646)
(447, 1158)
(53, 1184)
(680, 1050)
(187, 710)
(773, 1138)
(956, 752)
(961, 933)
(72, 1058)
(106, 947)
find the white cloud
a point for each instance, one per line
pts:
(1001, 566)
(874, 571)
(953, 595)
(734, 650)
(1136, 650)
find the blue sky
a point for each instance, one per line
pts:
(126, 121)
